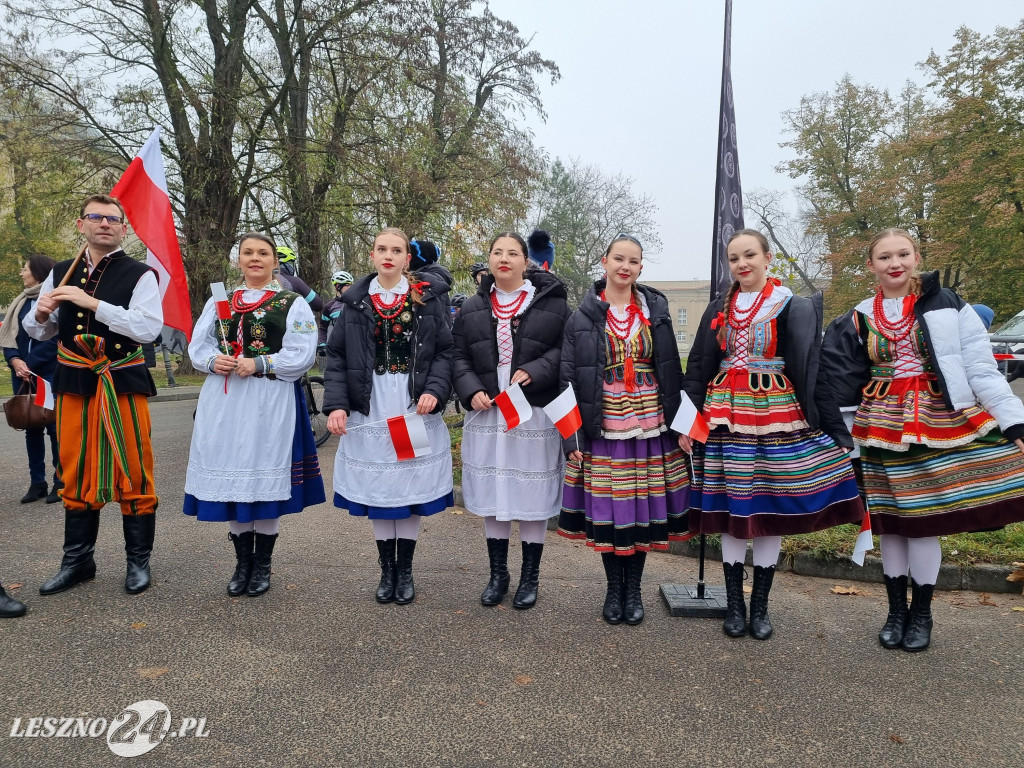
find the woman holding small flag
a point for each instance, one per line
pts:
(253, 458)
(508, 341)
(775, 459)
(29, 361)
(940, 432)
(388, 378)
(626, 487)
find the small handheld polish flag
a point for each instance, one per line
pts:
(514, 407)
(44, 393)
(689, 421)
(864, 543)
(409, 436)
(565, 413)
(220, 297)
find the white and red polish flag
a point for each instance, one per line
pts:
(44, 393)
(864, 543)
(220, 298)
(565, 413)
(515, 408)
(142, 190)
(409, 436)
(689, 421)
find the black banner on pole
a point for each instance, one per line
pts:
(728, 195)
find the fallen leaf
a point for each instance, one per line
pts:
(523, 680)
(1017, 608)
(895, 738)
(455, 511)
(748, 590)
(13, 586)
(152, 673)
(459, 612)
(838, 590)
(481, 703)
(1017, 574)
(139, 625)
(291, 586)
(985, 599)
(995, 662)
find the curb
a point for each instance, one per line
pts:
(974, 578)
(171, 394)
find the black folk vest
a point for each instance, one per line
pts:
(113, 281)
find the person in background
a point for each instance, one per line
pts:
(542, 250)
(477, 271)
(26, 356)
(941, 433)
(288, 278)
(425, 262)
(342, 281)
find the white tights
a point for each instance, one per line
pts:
(267, 527)
(530, 531)
(403, 528)
(918, 557)
(766, 550)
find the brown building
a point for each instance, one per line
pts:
(687, 300)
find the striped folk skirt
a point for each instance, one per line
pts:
(926, 491)
(629, 496)
(776, 484)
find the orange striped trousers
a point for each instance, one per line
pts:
(91, 475)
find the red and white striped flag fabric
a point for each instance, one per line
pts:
(142, 190)
(690, 421)
(409, 436)
(565, 413)
(514, 407)
(1001, 356)
(44, 393)
(220, 298)
(864, 543)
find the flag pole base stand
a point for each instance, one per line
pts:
(682, 600)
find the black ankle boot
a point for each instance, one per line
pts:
(632, 604)
(139, 531)
(263, 547)
(497, 554)
(891, 635)
(77, 565)
(245, 544)
(54, 495)
(918, 634)
(35, 492)
(612, 612)
(735, 624)
(386, 558)
(760, 624)
(529, 577)
(9, 607)
(405, 590)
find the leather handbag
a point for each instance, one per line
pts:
(22, 412)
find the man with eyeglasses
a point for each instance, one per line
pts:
(104, 307)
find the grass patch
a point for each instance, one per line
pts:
(451, 418)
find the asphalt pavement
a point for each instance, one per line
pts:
(315, 673)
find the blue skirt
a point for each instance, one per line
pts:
(395, 513)
(307, 484)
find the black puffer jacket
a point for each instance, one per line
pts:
(351, 350)
(583, 357)
(799, 345)
(536, 341)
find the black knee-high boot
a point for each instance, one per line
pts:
(891, 635)
(405, 590)
(529, 577)
(612, 612)
(386, 558)
(77, 565)
(9, 607)
(918, 634)
(632, 604)
(760, 624)
(497, 586)
(259, 582)
(139, 532)
(735, 624)
(245, 543)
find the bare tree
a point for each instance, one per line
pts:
(802, 250)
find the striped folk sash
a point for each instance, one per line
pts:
(111, 438)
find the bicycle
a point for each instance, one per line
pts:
(313, 388)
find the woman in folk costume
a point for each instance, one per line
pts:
(510, 332)
(940, 432)
(253, 457)
(391, 355)
(775, 461)
(626, 483)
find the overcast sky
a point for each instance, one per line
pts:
(641, 80)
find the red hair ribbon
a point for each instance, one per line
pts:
(420, 285)
(718, 322)
(774, 281)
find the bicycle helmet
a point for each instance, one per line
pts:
(458, 300)
(341, 277)
(285, 254)
(477, 268)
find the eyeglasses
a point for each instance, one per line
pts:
(96, 218)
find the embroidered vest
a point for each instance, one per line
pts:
(393, 341)
(263, 329)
